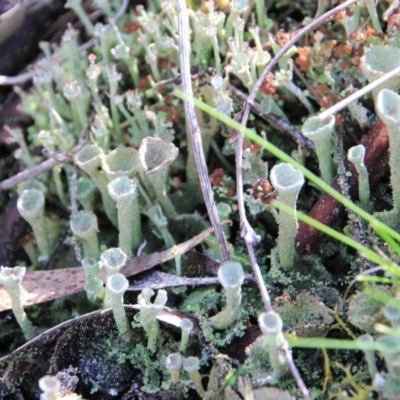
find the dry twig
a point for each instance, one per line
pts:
(193, 126)
(273, 120)
(247, 232)
(29, 174)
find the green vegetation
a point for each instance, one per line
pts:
(158, 133)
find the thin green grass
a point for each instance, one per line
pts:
(377, 225)
(390, 236)
(335, 344)
(386, 264)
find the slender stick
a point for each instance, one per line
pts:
(29, 174)
(273, 120)
(296, 374)
(184, 53)
(247, 231)
(74, 207)
(260, 282)
(122, 10)
(360, 93)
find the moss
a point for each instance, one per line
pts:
(306, 315)
(202, 301)
(220, 370)
(329, 296)
(365, 310)
(308, 273)
(151, 368)
(221, 338)
(257, 364)
(154, 373)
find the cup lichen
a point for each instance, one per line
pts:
(288, 182)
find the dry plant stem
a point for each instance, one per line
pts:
(29, 174)
(74, 204)
(296, 374)
(69, 281)
(16, 80)
(370, 271)
(56, 249)
(273, 120)
(356, 95)
(246, 230)
(251, 239)
(162, 280)
(74, 208)
(300, 75)
(27, 76)
(184, 55)
(257, 274)
(122, 10)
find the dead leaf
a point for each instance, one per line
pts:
(161, 280)
(41, 286)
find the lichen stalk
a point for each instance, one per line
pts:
(89, 159)
(124, 191)
(116, 286)
(320, 132)
(186, 328)
(174, 364)
(31, 207)
(156, 155)
(231, 276)
(356, 155)
(388, 109)
(94, 285)
(84, 226)
(271, 326)
(148, 314)
(11, 279)
(287, 181)
(191, 365)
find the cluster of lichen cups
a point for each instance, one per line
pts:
(231, 277)
(113, 174)
(126, 177)
(116, 175)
